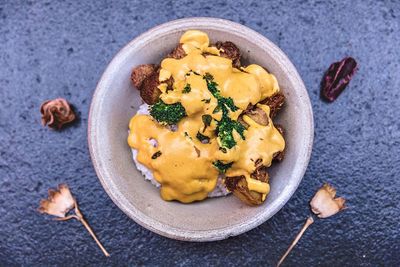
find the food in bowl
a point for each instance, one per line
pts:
(206, 127)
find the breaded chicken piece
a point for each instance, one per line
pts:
(238, 186)
(259, 116)
(148, 90)
(256, 114)
(177, 53)
(278, 156)
(231, 51)
(275, 103)
(140, 73)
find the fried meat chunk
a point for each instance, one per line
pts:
(231, 51)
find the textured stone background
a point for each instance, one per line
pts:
(50, 49)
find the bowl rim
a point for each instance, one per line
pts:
(200, 235)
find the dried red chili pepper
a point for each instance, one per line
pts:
(337, 78)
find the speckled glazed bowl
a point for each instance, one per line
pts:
(115, 101)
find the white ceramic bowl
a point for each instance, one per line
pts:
(115, 102)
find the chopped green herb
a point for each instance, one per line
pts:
(222, 167)
(226, 125)
(227, 102)
(239, 128)
(224, 129)
(223, 102)
(217, 109)
(225, 132)
(223, 149)
(191, 71)
(187, 135)
(211, 85)
(208, 77)
(187, 89)
(207, 101)
(167, 113)
(202, 138)
(156, 155)
(206, 120)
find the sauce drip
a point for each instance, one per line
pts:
(180, 162)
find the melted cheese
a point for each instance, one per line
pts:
(184, 165)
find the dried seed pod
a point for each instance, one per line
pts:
(59, 203)
(56, 113)
(324, 204)
(337, 78)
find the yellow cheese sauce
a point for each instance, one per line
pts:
(183, 165)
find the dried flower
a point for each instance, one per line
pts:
(323, 204)
(337, 77)
(56, 113)
(59, 203)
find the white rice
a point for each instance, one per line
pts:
(219, 191)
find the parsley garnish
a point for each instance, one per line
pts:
(187, 89)
(191, 71)
(156, 155)
(211, 85)
(222, 167)
(187, 135)
(223, 149)
(167, 113)
(206, 120)
(226, 125)
(225, 131)
(202, 138)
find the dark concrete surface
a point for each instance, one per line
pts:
(54, 49)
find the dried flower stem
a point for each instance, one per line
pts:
(309, 221)
(79, 217)
(83, 221)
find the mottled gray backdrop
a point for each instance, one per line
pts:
(50, 49)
